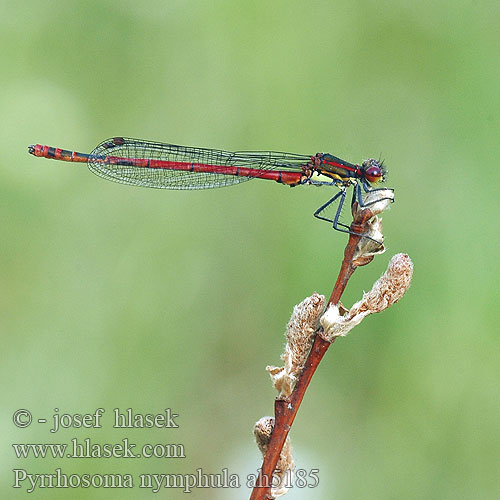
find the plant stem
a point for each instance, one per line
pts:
(286, 409)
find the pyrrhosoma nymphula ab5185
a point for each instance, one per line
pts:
(159, 165)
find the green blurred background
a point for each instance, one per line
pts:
(114, 296)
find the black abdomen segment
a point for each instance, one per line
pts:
(58, 153)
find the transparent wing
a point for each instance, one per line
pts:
(180, 167)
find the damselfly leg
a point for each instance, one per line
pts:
(357, 196)
(339, 226)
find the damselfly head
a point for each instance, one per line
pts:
(373, 171)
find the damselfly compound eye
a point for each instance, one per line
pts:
(373, 171)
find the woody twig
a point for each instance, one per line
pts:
(310, 333)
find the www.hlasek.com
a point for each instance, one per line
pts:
(155, 482)
(87, 449)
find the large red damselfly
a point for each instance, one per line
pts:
(158, 165)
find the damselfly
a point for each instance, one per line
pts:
(158, 165)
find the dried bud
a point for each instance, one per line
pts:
(376, 201)
(299, 335)
(301, 328)
(263, 430)
(373, 245)
(387, 290)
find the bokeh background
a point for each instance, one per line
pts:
(115, 296)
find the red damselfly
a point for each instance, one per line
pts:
(158, 165)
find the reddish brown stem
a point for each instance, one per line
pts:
(286, 409)
(348, 267)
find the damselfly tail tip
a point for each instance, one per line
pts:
(31, 149)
